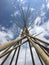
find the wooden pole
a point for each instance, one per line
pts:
(43, 41)
(8, 56)
(43, 47)
(31, 54)
(17, 56)
(3, 54)
(10, 43)
(39, 58)
(5, 59)
(40, 52)
(13, 57)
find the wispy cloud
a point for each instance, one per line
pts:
(5, 36)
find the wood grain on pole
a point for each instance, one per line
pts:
(10, 43)
(3, 54)
(40, 52)
(43, 41)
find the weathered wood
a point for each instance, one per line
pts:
(5, 59)
(39, 58)
(43, 47)
(7, 55)
(10, 43)
(43, 41)
(40, 52)
(3, 54)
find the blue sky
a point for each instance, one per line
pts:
(9, 11)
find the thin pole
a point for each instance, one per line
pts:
(23, 16)
(39, 39)
(38, 34)
(1, 55)
(43, 47)
(25, 53)
(6, 50)
(13, 57)
(6, 56)
(5, 59)
(17, 56)
(33, 62)
(40, 52)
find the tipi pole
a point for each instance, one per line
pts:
(40, 52)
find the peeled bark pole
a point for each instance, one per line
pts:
(10, 43)
(5, 59)
(39, 58)
(40, 52)
(43, 41)
(7, 52)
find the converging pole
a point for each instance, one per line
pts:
(39, 39)
(10, 43)
(31, 54)
(17, 56)
(39, 58)
(40, 52)
(5, 59)
(13, 57)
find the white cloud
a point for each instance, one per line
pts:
(48, 5)
(38, 20)
(43, 6)
(3, 28)
(38, 29)
(46, 25)
(7, 34)
(43, 28)
(32, 9)
(4, 36)
(15, 13)
(24, 8)
(21, 0)
(42, 13)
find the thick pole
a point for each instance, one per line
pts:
(39, 58)
(6, 56)
(10, 43)
(47, 53)
(43, 47)
(3, 54)
(40, 52)
(43, 41)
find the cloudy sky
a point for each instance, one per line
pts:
(8, 29)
